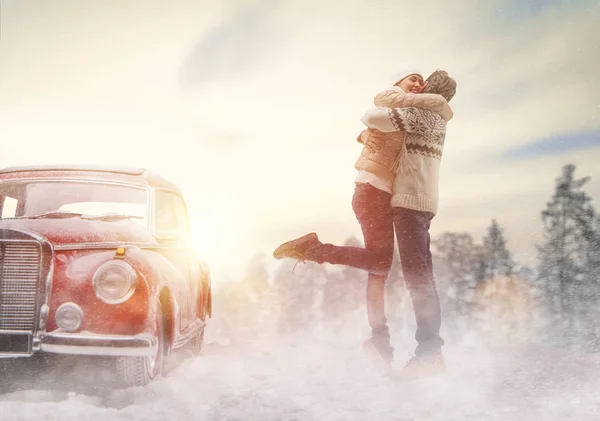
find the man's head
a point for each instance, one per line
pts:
(440, 83)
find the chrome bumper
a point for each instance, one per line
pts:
(100, 345)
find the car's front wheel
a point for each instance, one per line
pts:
(139, 371)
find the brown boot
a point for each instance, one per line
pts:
(297, 249)
(420, 366)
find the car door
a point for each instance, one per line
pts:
(173, 234)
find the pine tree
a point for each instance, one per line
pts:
(590, 290)
(497, 260)
(566, 254)
(460, 259)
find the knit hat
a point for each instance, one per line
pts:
(402, 73)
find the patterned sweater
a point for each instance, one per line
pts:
(417, 177)
(378, 160)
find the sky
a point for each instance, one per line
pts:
(253, 107)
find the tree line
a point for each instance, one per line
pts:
(555, 302)
(483, 290)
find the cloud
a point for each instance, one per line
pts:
(521, 11)
(556, 144)
(233, 47)
(536, 82)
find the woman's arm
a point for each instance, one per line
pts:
(396, 98)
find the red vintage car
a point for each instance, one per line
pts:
(97, 261)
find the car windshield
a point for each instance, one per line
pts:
(64, 199)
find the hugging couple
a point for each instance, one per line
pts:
(396, 190)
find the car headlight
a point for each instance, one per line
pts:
(114, 282)
(68, 317)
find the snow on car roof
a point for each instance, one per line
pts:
(121, 170)
(132, 174)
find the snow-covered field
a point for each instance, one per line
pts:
(318, 375)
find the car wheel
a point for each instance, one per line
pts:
(139, 371)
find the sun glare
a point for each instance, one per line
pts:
(215, 247)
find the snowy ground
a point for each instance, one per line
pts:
(319, 375)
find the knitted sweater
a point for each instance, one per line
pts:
(417, 176)
(377, 162)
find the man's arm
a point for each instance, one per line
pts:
(410, 119)
(379, 118)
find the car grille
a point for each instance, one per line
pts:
(19, 274)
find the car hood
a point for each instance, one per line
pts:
(80, 231)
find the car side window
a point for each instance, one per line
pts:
(9, 207)
(171, 215)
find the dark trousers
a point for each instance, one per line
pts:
(374, 213)
(378, 220)
(412, 233)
